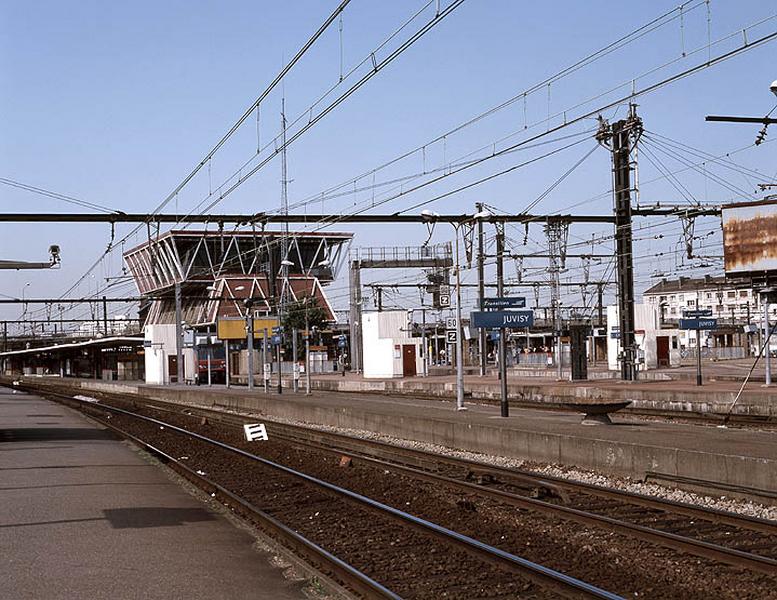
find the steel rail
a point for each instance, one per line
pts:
(312, 553)
(565, 584)
(671, 540)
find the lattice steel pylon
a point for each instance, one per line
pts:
(557, 233)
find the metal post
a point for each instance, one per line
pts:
(459, 344)
(436, 342)
(698, 357)
(767, 342)
(250, 346)
(264, 362)
(482, 345)
(210, 352)
(226, 363)
(178, 333)
(280, 375)
(425, 355)
(355, 315)
(105, 316)
(307, 357)
(294, 379)
(500, 248)
(379, 291)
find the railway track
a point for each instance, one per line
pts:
(730, 538)
(744, 542)
(447, 563)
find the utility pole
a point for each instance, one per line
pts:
(105, 316)
(459, 343)
(425, 354)
(698, 356)
(307, 350)
(178, 334)
(500, 248)
(767, 337)
(210, 351)
(621, 137)
(280, 365)
(295, 365)
(265, 369)
(481, 290)
(250, 341)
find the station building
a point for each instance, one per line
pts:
(215, 272)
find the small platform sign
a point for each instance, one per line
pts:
(498, 319)
(267, 369)
(452, 336)
(698, 324)
(296, 370)
(451, 323)
(255, 431)
(511, 302)
(695, 314)
(445, 300)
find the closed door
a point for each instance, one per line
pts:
(408, 360)
(172, 368)
(662, 350)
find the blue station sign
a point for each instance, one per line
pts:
(513, 302)
(498, 319)
(698, 323)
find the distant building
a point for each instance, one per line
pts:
(729, 303)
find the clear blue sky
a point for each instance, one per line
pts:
(115, 102)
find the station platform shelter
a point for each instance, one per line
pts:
(120, 358)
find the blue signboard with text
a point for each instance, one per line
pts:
(498, 319)
(698, 323)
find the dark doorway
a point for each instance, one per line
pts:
(172, 368)
(662, 350)
(408, 360)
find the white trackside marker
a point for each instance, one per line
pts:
(255, 431)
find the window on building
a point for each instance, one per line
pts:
(720, 308)
(743, 293)
(708, 307)
(709, 296)
(731, 294)
(673, 310)
(672, 298)
(692, 341)
(662, 299)
(682, 297)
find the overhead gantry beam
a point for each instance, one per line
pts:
(278, 218)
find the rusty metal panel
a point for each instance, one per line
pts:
(750, 237)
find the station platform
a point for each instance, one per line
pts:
(728, 458)
(83, 515)
(714, 398)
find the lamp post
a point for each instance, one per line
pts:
(249, 303)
